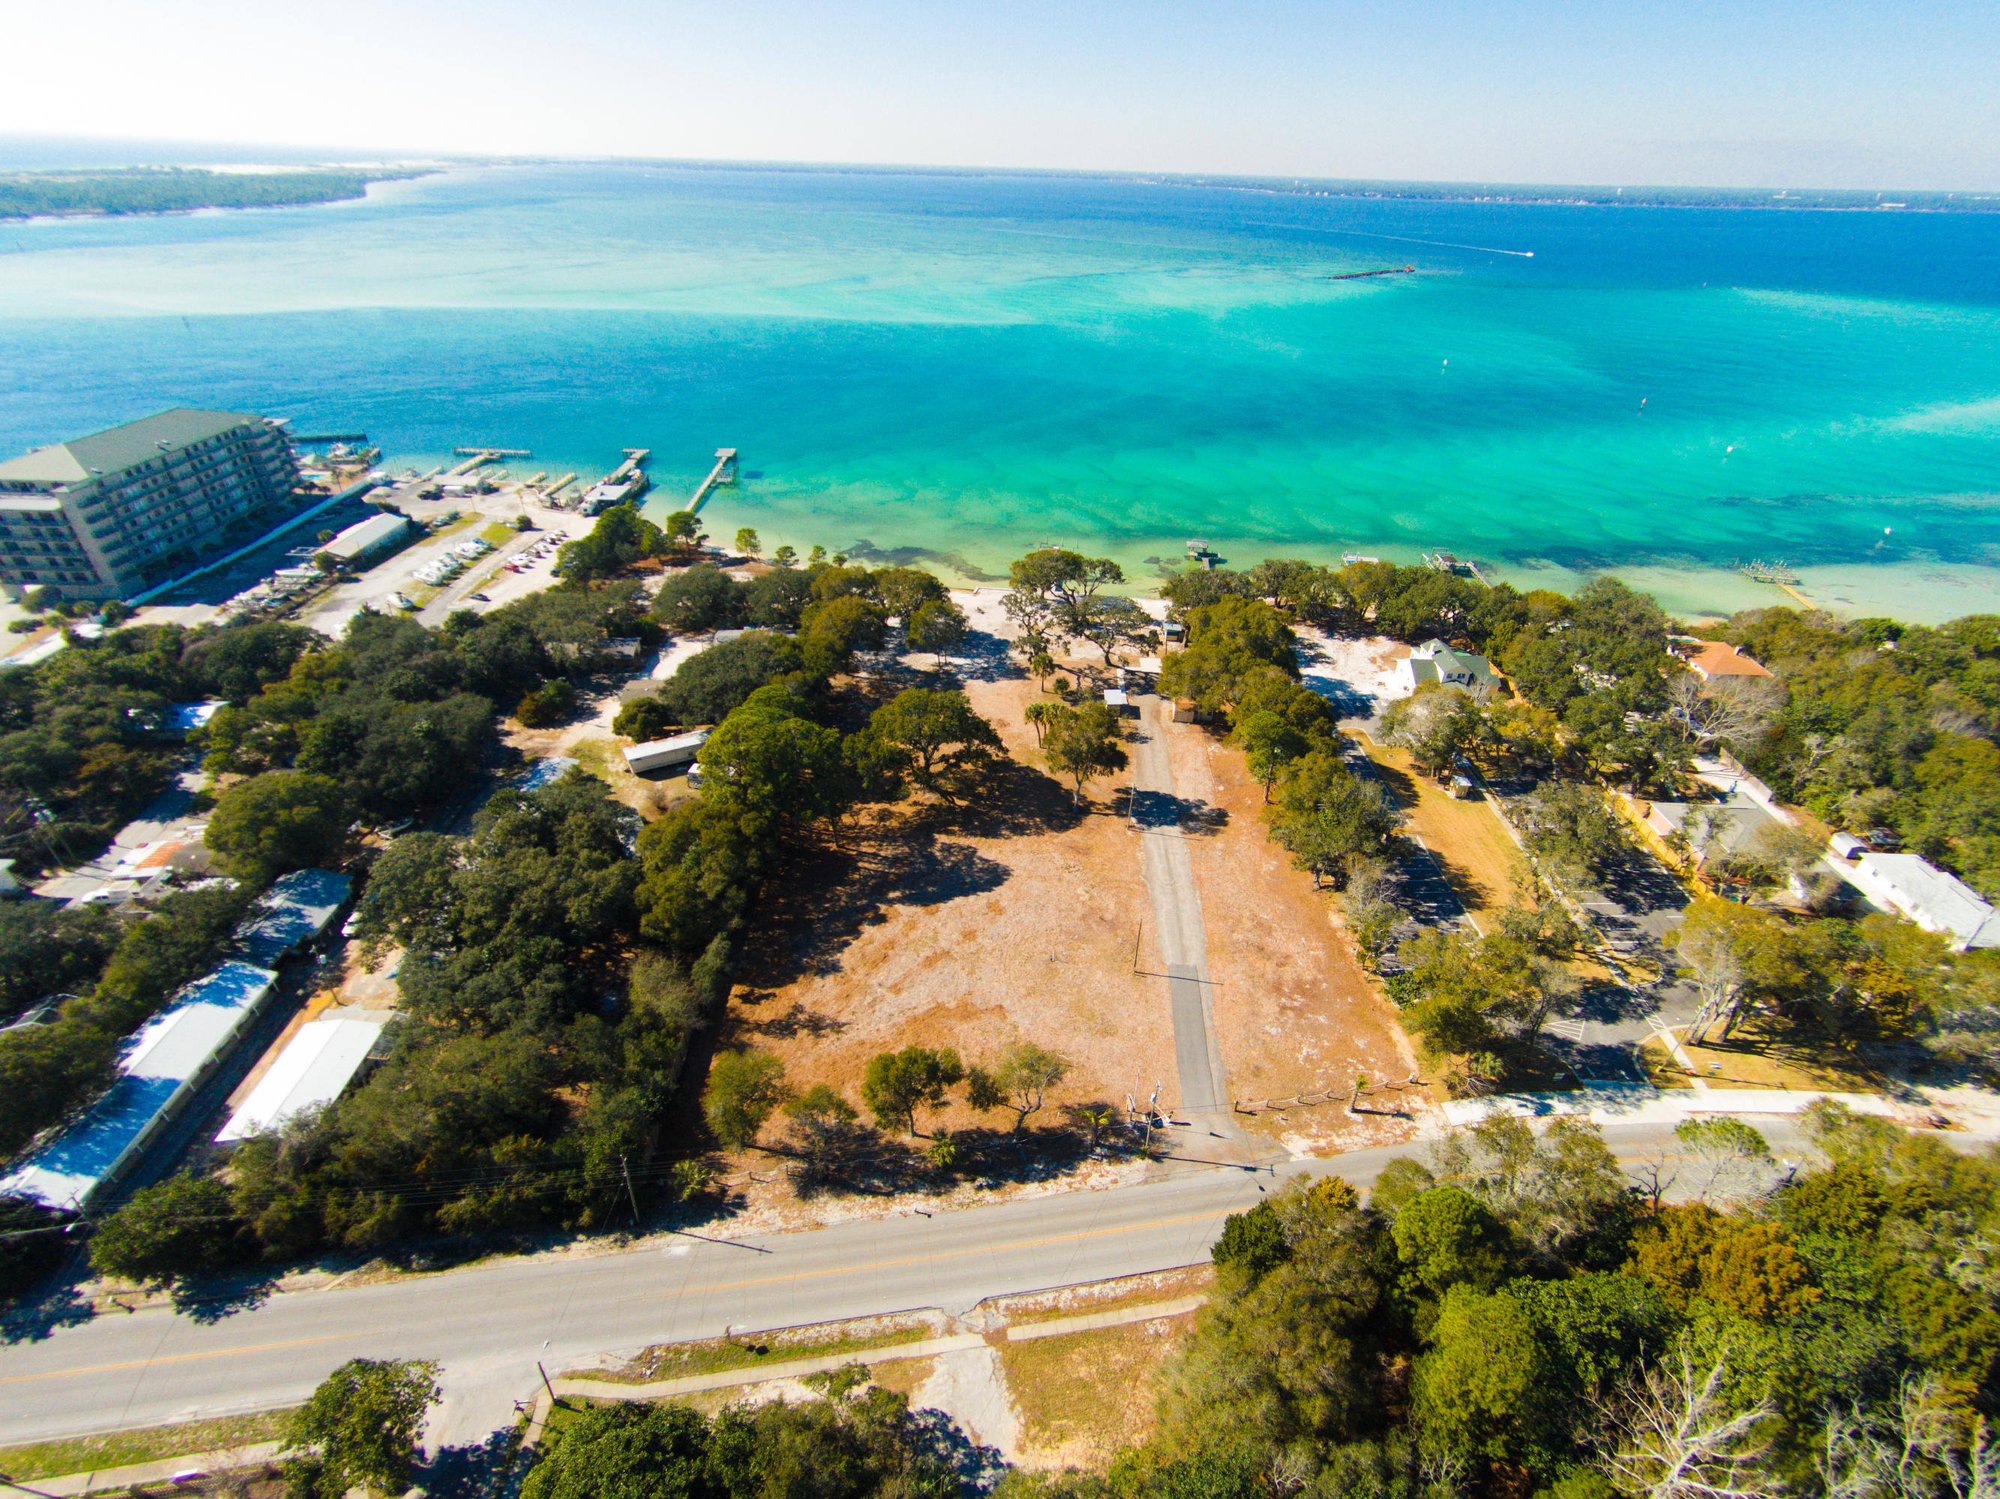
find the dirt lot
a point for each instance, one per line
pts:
(1016, 918)
(1294, 1010)
(1484, 865)
(1009, 920)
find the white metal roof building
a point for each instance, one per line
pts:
(661, 754)
(1938, 902)
(312, 1071)
(168, 1059)
(365, 538)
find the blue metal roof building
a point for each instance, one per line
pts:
(167, 1059)
(291, 914)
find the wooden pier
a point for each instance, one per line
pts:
(559, 486)
(1452, 565)
(724, 472)
(1386, 270)
(489, 454)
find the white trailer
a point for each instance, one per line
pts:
(664, 754)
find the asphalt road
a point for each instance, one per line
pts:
(489, 1324)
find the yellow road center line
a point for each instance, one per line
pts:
(868, 1268)
(173, 1358)
(959, 1254)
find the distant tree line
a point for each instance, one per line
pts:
(125, 190)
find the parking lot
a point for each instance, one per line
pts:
(506, 564)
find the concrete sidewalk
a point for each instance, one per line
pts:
(111, 1480)
(1640, 1103)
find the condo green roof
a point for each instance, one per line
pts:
(123, 447)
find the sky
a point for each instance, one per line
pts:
(1767, 93)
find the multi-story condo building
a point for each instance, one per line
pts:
(102, 516)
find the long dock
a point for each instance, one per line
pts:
(724, 472)
(560, 485)
(491, 453)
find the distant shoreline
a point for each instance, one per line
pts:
(149, 192)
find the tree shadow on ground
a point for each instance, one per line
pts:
(1398, 782)
(978, 1468)
(216, 1300)
(472, 1470)
(1424, 887)
(1346, 700)
(39, 1312)
(865, 1161)
(1638, 883)
(1161, 811)
(1006, 799)
(830, 895)
(799, 1020)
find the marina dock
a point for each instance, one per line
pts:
(724, 472)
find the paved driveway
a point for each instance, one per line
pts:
(1178, 932)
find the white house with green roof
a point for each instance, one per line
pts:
(1434, 661)
(99, 516)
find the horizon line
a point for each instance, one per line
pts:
(342, 155)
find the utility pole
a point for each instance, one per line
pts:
(630, 1195)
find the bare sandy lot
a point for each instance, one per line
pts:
(1010, 920)
(1359, 676)
(1020, 918)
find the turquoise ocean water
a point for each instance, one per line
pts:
(967, 365)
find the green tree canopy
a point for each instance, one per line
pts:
(179, 1228)
(898, 1083)
(939, 734)
(277, 822)
(702, 597)
(743, 1088)
(360, 1427)
(1082, 744)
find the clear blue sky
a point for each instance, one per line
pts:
(1831, 93)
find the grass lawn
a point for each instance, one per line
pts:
(1661, 1070)
(497, 534)
(148, 1444)
(1757, 1057)
(1082, 1395)
(1483, 863)
(1105, 1296)
(755, 1351)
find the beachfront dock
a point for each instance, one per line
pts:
(724, 472)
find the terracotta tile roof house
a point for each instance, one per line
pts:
(1709, 659)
